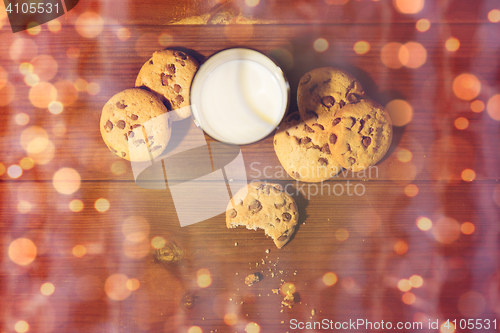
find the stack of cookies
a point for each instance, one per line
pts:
(337, 126)
(136, 123)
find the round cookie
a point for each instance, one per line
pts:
(124, 119)
(267, 206)
(169, 73)
(303, 150)
(360, 135)
(324, 91)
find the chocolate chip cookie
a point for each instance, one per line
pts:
(304, 151)
(169, 73)
(322, 92)
(360, 135)
(267, 206)
(135, 125)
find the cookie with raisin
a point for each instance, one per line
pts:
(361, 135)
(304, 151)
(261, 205)
(169, 73)
(135, 125)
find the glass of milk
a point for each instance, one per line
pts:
(239, 96)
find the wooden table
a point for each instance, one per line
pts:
(419, 244)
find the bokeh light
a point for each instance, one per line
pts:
(401, 247)
(341, 234)
(416, 281)
(42, 94)
(477, 106)
(25, 68)
(412, 55)
(116, 287)
(55, 107)
(409, 6)
(408, 298)
(452, 44)
(461, 123)
(24, 207)
(423, 25)
(252, 3)
(23, 49)
(158, 242)
(165, 39)
(14, 171)
(31, 79)
(89, 24)
(2, 169)
(54, 26)
(135, 228)
(45, 66)
(468, 175)
(76, 205)
(133, 284)
(446, 230)
(47, 289)
(466, 86)
(26, 163)
(7, 94)
(22, 251)
(123, 34)
(494, 15)
(79, 250)
(390, 55)
(3, 77)
(93, 88)
(67, 94)
(203, 278)
(81, 84)
(101, 205)
(404, 285)
(400, 111)
(329, 279)
(471, 304)
(493, 107)
(195, 329)
(33, 28)
(118, 168)
(467, 228)
(404, 155)
(66, 181)
(21, 326)
(252, 328)
(447, 327)
(230, 319)
(22, 119)
(361, 47)
(411, 190)
(320, 45)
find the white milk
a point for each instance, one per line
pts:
(240, 101)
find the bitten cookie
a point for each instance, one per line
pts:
(125, 118)
(303, 150)
(169, 73)
(265, 206)
(324, 91)
(361, 135)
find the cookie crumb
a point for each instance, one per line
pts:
(289, 299)
(252, 279)
(313, 312)
(236, 244)
(268, 250)
(275, 291)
